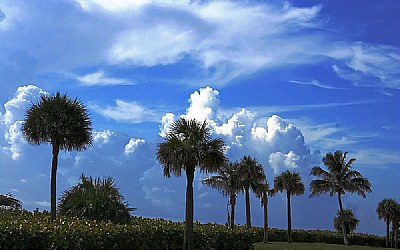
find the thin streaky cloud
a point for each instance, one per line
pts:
(100, 78)
(315, 83)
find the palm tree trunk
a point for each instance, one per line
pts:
(289, 216)
(233, 203)
(265, 205)
(346, 241)
(188, 236)
(396, 234)
(392, 241)
(248, 216)
(53, 182)
(387, 231)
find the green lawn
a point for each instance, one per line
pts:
(306, 246)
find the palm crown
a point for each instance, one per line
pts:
(188, 144)
(339, 178)
(58, 120)
(289, 181)
(227, 179)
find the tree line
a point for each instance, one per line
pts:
(66, 125)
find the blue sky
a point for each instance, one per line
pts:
(283, 81)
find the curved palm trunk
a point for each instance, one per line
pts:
(248, 216)
(232, 201)
(289, 216)
(188, 235)
(346, 241)
(53, 190)
(265, 205)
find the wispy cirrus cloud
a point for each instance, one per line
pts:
(315, 83)
(100, 78)
(129, 112)
(370, 65)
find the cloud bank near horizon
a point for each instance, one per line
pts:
(278, 144)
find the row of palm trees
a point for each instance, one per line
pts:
(389, 210)
(188, 144)
(66, 125)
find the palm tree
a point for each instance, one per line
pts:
(292, 183)
(262, 192)
(251, 173)
(339, 179)
(188, 145)
(8, 200)
(350, 221)
(228, 182)
(95, 199)
(395, 225)
(62, 122)
(386, 210)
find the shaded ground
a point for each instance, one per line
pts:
(306, 246)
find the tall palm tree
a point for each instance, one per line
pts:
(95, 199)
(251, 173)
(8, 200)
(386, 210)
(188, 145)
(350, 221)
(62, 122)
(292, 183)
(339, 179)
(228, 182)
(262, 192)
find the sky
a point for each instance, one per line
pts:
(282, 81)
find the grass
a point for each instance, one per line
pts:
(306, 246)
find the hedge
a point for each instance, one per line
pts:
(35, 230)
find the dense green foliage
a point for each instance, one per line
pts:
(350, 221)
(27, 230)
(95, 199)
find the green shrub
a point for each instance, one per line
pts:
(26, 230)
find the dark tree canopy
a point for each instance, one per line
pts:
(58, 120)
(95, 199)
(350, 221)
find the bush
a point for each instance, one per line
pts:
(26, 230)
(35, 230)
(95, 199)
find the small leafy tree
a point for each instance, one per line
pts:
(350, 221)
(95, 199)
